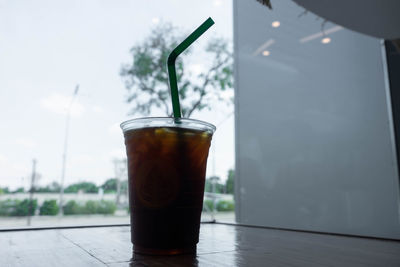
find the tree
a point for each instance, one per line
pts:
(72, 207)
(25, 207)
(209, 186)
(110, 186)
(146, 78)
(49, 207)
(86, 187)
(19, 190)
(54, 187)
(229, 184)
(4, 190)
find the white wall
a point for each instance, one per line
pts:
(314, 139)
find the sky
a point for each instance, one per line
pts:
(48, 47)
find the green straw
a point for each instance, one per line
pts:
(171, 63)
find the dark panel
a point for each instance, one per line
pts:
(393, 67)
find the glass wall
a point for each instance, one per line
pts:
(72, 71)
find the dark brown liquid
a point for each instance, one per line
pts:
(166, 168)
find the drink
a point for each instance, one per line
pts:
(166, 168)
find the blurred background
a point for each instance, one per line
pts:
(72, 71)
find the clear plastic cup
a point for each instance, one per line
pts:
(167, 159)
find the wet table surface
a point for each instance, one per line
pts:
(220, 245)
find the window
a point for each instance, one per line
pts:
(62, 93)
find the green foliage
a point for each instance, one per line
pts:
(110, 186)
(106, 207)
(7, 207)
(72, 207)
(124, 186)
(19, 190)
(229, 184)
(146, 77)
(86, 187)
(25, 207)
(225, 205)
(4, 190)
(208, 205)
(208, 186)
(15, 207)
(54, 187)
(90, 207)
(219, 187)
(49, 207)
(221, 205)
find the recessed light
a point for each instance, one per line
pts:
(266, 53)
(155, 20)
(276, 24)
(326, 40)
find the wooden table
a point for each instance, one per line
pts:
(220, 245)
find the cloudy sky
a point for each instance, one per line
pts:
(48, 47)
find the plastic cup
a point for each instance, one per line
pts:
(167, 159)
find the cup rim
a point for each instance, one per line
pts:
(174, 122)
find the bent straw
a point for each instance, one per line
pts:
(171, 63)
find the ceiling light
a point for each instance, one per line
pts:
(155, 20)
(263, 47)
(266, 53)
(276, 24)
(326, 40)
(320, 34)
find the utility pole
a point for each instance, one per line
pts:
(214, 179)
(64, 157)
(213, 185)
(118, 181)
(30, 208)
(120, 170)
